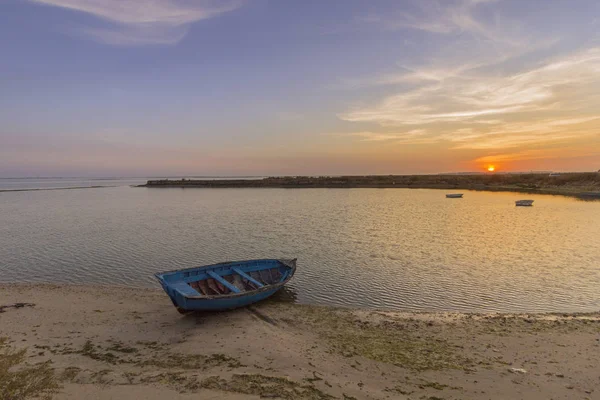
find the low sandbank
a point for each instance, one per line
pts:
(117, 343)
(583, 185)
(60, 188)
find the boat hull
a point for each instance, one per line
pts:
(255, 280)
(185, 305)
(524, 203)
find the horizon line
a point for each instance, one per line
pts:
(183, 176)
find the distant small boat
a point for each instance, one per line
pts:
(524, 203)
(590, 195)
(454, 196)
(226, 285)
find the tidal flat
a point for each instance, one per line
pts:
(114, 342)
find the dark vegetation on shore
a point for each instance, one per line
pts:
(20, 380)
(581, 184)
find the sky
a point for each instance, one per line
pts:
(311, 87)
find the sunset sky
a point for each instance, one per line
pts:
(259, 87)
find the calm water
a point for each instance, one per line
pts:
(383, 248)
(7, 184)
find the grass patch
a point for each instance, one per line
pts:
(265, 386)
(89, 350)
(152, 345)
(191, 361)
(174, 379)
(20, 381)
(99, 376)
(433, 385)
(503, 325)
(398, 389)
(161, 359)
(69, 374)
(384, 342)
(401, 350)
(131, 376)
(120, 348)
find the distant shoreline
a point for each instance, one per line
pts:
(63, 188)
(580, 185)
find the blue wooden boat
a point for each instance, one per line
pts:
(524, 203)
(225, 285)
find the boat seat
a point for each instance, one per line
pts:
(184, 288)
(220, 279)
(247, 277)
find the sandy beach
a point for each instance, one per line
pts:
(116, 343)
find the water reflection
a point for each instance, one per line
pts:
(287, 294)
(588, 198)
(383, 248)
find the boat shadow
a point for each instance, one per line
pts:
(284, 295)
(194, 318)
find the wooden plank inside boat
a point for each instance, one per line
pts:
(249, 285)
(237, 282)
(203, 287)
(232, 281)
(229, 287)
(249, 281)
(222, 289)
(228, 278)
(212, 285)
(266, 278)
(256, 276)
(276, 274)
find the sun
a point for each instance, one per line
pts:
(491, 168)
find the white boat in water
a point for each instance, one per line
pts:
(524, 203)
(454, 195)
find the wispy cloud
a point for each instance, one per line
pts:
(475, 109)
(494, 135)
(367, 136)
(448, 17)
(538, 154)
(138, 22)
(510, 135)
(472, 96)
(483, 90)
(408, 75)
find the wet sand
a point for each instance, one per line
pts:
(115, 343)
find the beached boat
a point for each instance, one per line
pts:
(524, 203)
(589, 195)
(454, 195)
(225, 285)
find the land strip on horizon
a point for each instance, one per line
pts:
(583, 184)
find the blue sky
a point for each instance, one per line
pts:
(258, 87)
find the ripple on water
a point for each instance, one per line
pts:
(392, 249)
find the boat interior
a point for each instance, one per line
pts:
(249, 281)
(228, 278)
